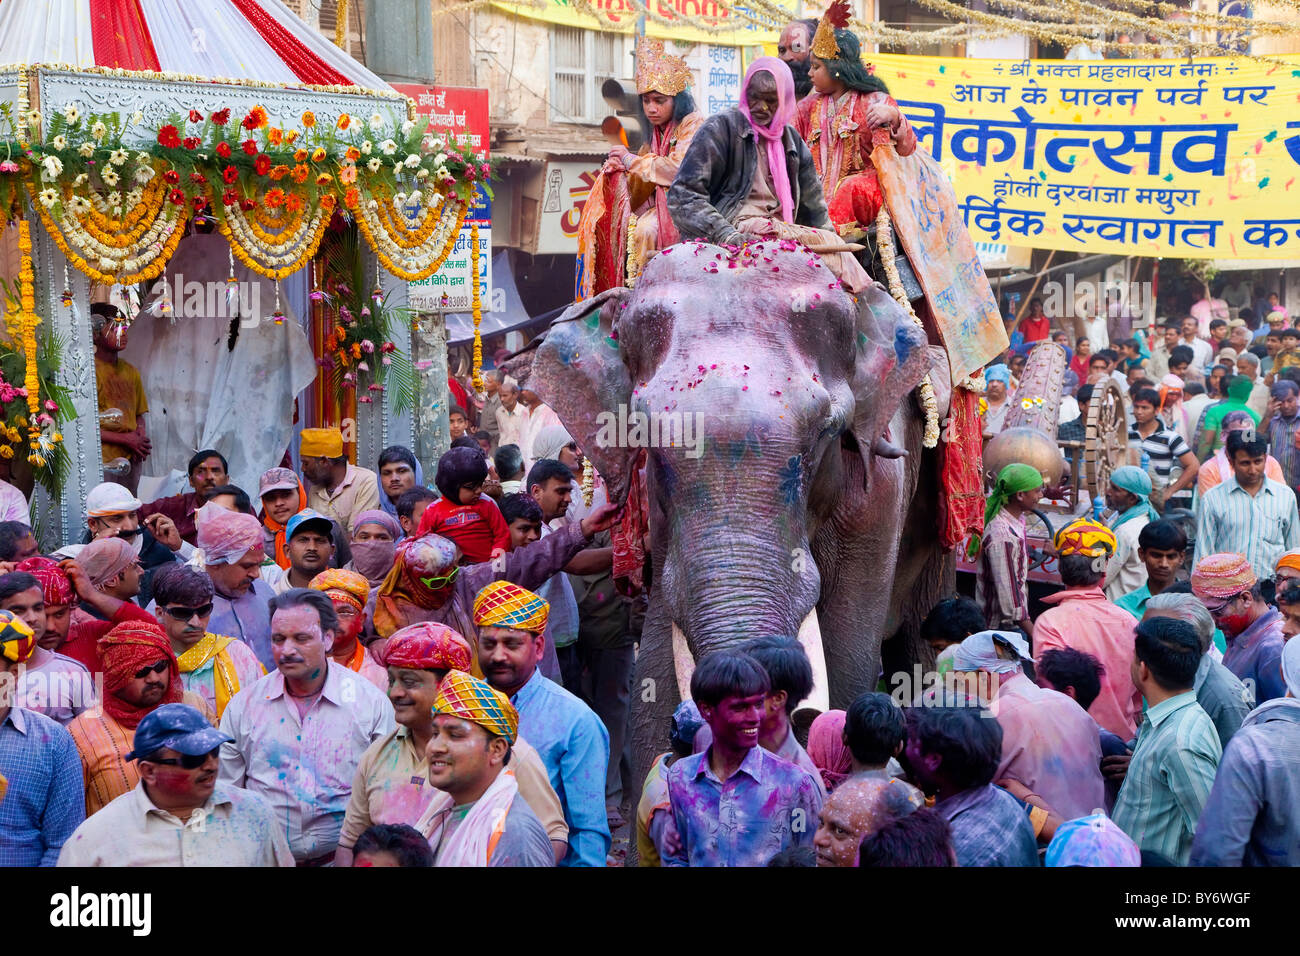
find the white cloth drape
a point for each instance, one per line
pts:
(211, 40)
(203, 395)
(57, 31)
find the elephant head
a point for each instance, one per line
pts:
(757, 380)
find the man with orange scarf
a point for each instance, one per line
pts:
(283, 496)
(632, 189)
(140, 674)
(350, 591)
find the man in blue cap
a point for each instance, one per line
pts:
(178, 814)
(309, 542)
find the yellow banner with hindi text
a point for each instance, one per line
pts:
(1179, 158)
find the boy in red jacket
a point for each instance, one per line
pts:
(464, 514)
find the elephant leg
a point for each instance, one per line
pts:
(654, 698)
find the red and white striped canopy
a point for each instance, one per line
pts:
(212, 39)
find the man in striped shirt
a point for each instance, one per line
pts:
(1173, 464)
(1177, 751)
(1002, 576)
(1249, 514)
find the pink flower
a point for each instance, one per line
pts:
(366, 400)
(363, 367)
(51, 405)
(8, 166)
(367, 346)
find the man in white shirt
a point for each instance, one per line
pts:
(1202, 351)
(512, 416)
(178, 814)
(298, 733)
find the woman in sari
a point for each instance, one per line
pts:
(628, 201)
(842, 122)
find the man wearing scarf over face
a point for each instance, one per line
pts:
(1129, 494)
(140, 674)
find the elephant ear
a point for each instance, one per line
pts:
(579, 372)
(892, 357)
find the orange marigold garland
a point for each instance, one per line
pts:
(477, 304)
(41, 444)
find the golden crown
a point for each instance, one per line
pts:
(837, 15)
(657, 71)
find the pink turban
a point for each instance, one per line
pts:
(827, 750)
(55, 586)
(226, 536)
(1222, 576)
(105, 558)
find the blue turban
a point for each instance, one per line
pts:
(1134, 480)
(998, 373)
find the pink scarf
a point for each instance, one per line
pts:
(773, 133)
(474, 840)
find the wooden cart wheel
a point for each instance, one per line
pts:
(1106, 443)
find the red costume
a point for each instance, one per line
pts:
(478, 528)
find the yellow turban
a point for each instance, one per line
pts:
(502, 604)
(321, 443)
(469, 698)
(1087, 538)
(345, 585)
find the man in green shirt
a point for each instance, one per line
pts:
(1162, 546)
(1238, 389)
(1177, 750)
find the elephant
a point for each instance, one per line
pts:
(788, 512)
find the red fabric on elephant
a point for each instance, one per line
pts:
(627, 535)
(961, 504)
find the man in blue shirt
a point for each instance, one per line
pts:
(43, 799)
(735, 804)
(565, 732)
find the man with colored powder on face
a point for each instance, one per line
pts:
(43, 801)
(233, 551)
(299, 732)
(140, 674)
(179, 814)
(569, 737)
(214, 666)
(857, 809)
(791, 677)
(794, 47)
(478, 817)
(52, 684)
(309, 542)
(1230, 591)
(735, 804)
(90, 574)
(349, 591)
(391, 785)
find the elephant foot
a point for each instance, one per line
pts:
(882, 447)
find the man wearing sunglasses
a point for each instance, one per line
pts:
(140, 675)
(179, 814)
(214, 666)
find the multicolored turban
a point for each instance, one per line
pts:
(469, 698)
(1222, 576)
(428, 646)
(341, 585)
(124, 651)
(55, 586)
(503, 604)
(17, 640)
(1087, 538)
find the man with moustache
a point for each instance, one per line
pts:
(179, 814)
(309, 540)
(478, 816)
(208, 472)
(794, 46)
(299, 732)
(735, 804)
(568, 735)
(114, 512)
(392, 782)
(234, 548)
(140, 675)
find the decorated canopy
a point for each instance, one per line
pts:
(208, 39)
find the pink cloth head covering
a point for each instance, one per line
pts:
(104, 558)
(773, 133)
(1223, 575)
(226, 536)
(827, 750)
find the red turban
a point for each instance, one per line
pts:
(427, 647)
(124, 651)
(55, 586)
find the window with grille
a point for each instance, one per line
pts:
(581, 60)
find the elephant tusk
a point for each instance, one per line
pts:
(683, 663)
(810, 636)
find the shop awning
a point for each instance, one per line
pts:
(192, 39)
